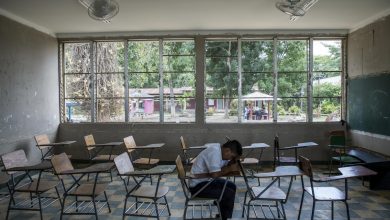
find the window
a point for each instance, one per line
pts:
(144, 98)
(77, 69)
(257, 80)
(179, 81)
(221, 81)
(327, 72)
(292, 80)
(153, 80)
(110, 80)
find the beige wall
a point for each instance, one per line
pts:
(28, 87)
(369, 54)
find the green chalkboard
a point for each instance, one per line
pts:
(369, 104)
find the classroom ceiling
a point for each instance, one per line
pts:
(69, 16)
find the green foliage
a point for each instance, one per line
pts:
(294, 110)
(281, 110)
(233, 112)
(328, 107)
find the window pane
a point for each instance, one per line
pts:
(327, 55)
(327, 109)
(292, 84)
(77, 86)
(292, 80)
(144, 109)
(78, 110)
(216, 108)
(76, 57)
(110, 85)
(144, 81)
(109, 56)
(110, 110)
(326, 96)
(257, 80)
(292, 110)
(143, 56)
(221, 81)
(292, 55)
(327, 80)
(257, 56)
(179, 81)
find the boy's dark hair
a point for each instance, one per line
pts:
(234, 146)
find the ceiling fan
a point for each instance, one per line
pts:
(101, 10)
(295, 8)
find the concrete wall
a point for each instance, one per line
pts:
(29, 102)
(369, 54)
(289, 134)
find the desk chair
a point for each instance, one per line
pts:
(193, 200)
(62, 168)
(35, 189)
(136, 160)
(43, 139)
(279, 160)
(321, 193)
(141, 191)
(267, 193)
(188, 160)
(93, 153)
(338, 150)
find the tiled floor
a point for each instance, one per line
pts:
(364, 203)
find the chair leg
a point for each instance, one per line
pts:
(108, 204)
(63, 206)
(332, 210)
(124, 208)
(166, 202)
(247, 210)
(156, 207)
(11, 198)
(185, 210)
(40, 205)
(283, 211)
(347, 207)
(77, 204)
(58, 195)
(300, 207)
(243, 205)
(94, 207)
(314, 207)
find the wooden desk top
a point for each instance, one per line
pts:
(96, 168)
(300, 145)
(63, 143)
(30, 167)
(149, 146)
(157, 170)
(109, 144)
(356, 171)
(281, 171)
(256, 145)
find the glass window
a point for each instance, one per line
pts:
(77, 82)
(327, 72)
(292, 80)
(257, 80)
(221, 81)
(144, 92)
(179, 81)
(110, 92)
